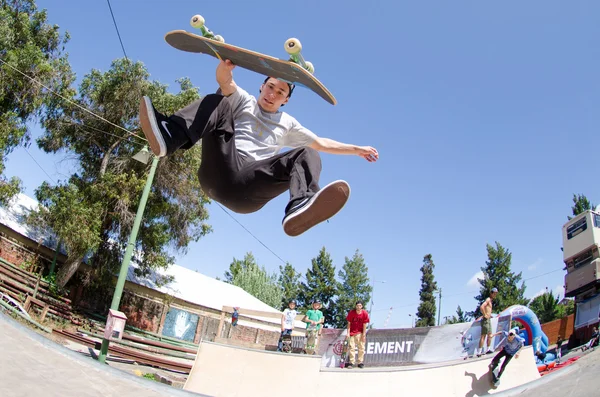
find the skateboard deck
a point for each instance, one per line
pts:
(311, 339)
(251, 60)
(344, 354)
(286, 343)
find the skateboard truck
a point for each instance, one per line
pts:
(197, 22)
(294, 47)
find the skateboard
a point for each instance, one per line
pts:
(286, 343)
(311, 339)
(294, 70)
(494, 375)
(344, 354)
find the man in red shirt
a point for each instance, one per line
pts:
(357, 333)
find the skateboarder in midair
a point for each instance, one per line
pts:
(512, 345)
(486, 323)
(242, 137)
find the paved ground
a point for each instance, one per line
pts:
(581, 379)
(31, 365)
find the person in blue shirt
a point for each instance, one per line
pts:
(512, 345)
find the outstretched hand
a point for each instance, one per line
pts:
(225, 72)
(368, 153)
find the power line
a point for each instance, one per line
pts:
(38, 164)
(117, 28)
(249, 232)
(70, 101)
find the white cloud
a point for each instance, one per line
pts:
(473, 282)
(558, 290)
(540, 292)
(535, 264)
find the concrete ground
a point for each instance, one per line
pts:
(32, 365)
(579, 379)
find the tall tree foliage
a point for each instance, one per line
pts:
(353, 285)
(28, 44)
(320, 284)
(427, 309)
(546, 307)
(255, 280)
(289, 281)
(497, 274)
(105, 191)
(580, 204)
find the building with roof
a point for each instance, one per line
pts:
(191, 307)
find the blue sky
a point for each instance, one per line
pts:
(485, 115)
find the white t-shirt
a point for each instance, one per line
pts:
(288, 318)
(260, 134)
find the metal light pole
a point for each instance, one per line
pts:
(143, 156)
(412, 319)
(439, 305)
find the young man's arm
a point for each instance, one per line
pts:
(225, 77)
(364, 331)
(483, 306)
(327, 145)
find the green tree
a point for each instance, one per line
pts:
(545, 307)
(566, 307)
(30, 45)
(256, 280)
(108, 183)
(353, 286)
(320, 284)
(289, 282)
(580, 204)
(427, 309)
(497, 274)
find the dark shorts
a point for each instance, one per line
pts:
(486, 326)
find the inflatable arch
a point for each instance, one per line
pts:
(532, 333)
(533, 329)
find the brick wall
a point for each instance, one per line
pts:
(563, 327)
(141, 313)
(13, 252)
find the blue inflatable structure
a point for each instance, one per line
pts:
(532, 333)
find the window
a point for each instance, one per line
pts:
(576, 228)
(596, 219)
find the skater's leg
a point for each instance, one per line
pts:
(361, 349)
(247, 185)
(496, 359)
(507, 359)
(352, 350)
(166, 134)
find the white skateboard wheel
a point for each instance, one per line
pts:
(197, 21)
(310, 67)
(293, 46)
(219, 38)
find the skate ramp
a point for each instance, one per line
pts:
(227, 371)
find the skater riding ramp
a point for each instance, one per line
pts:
(226, 371)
